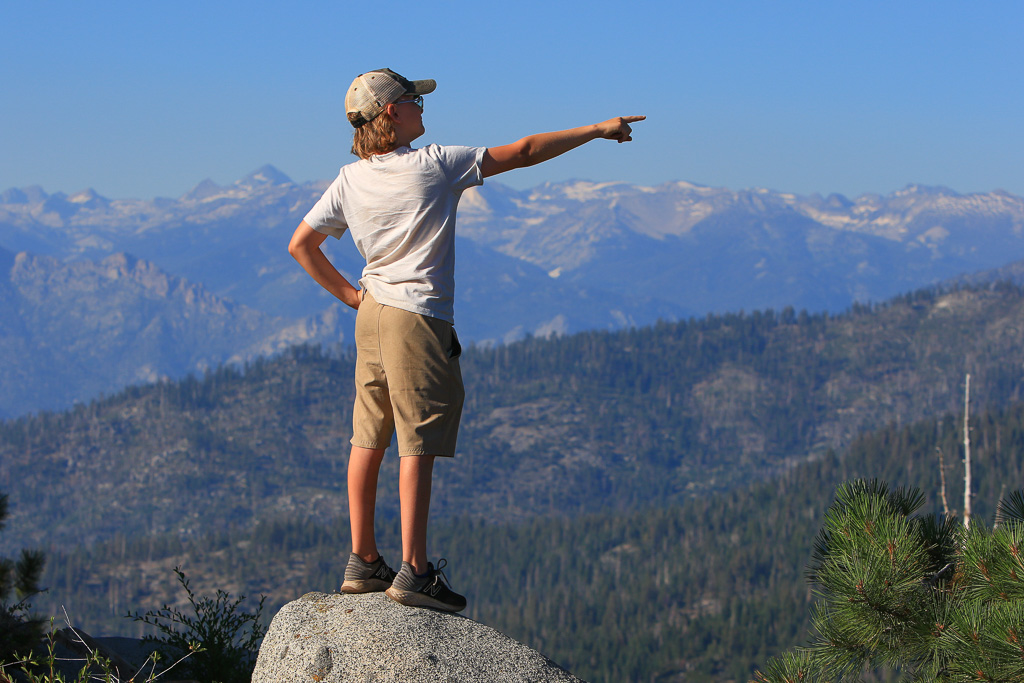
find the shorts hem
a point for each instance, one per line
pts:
(372, 445)
(423, 451)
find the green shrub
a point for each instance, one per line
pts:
(222, 640)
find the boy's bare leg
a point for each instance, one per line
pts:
(414, 480)
(363, 468)
(426, 589)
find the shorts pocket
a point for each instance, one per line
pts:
(456, 350)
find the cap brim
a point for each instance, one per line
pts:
(424, 87)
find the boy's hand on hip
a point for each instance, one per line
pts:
(352, 298)
(618, 128)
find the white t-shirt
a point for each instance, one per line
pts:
(400, 208)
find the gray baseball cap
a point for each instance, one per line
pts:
(372, 91)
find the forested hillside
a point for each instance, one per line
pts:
(594, 422)
(636, 504)
(700, 591)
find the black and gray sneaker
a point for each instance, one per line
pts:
(367, 577)
(425, 591)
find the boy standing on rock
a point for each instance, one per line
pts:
(399, 204)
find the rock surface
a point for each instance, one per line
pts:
(334, 638)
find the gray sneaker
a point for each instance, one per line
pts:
(367, 577)
(425, 591)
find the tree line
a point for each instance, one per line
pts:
(706, 589)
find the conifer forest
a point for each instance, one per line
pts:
(639, 505)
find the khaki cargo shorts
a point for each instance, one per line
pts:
(408, 380)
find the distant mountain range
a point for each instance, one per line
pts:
(100, 292)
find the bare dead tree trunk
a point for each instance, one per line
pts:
(942, 483)
(967, 453)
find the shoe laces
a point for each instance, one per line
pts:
(439, 574)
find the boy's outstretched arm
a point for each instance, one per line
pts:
(534, 149)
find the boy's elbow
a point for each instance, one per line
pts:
(299, 243)
(298, 248)
(526, 154)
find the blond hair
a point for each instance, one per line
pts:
(375, 137)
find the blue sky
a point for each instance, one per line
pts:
(144, 99)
